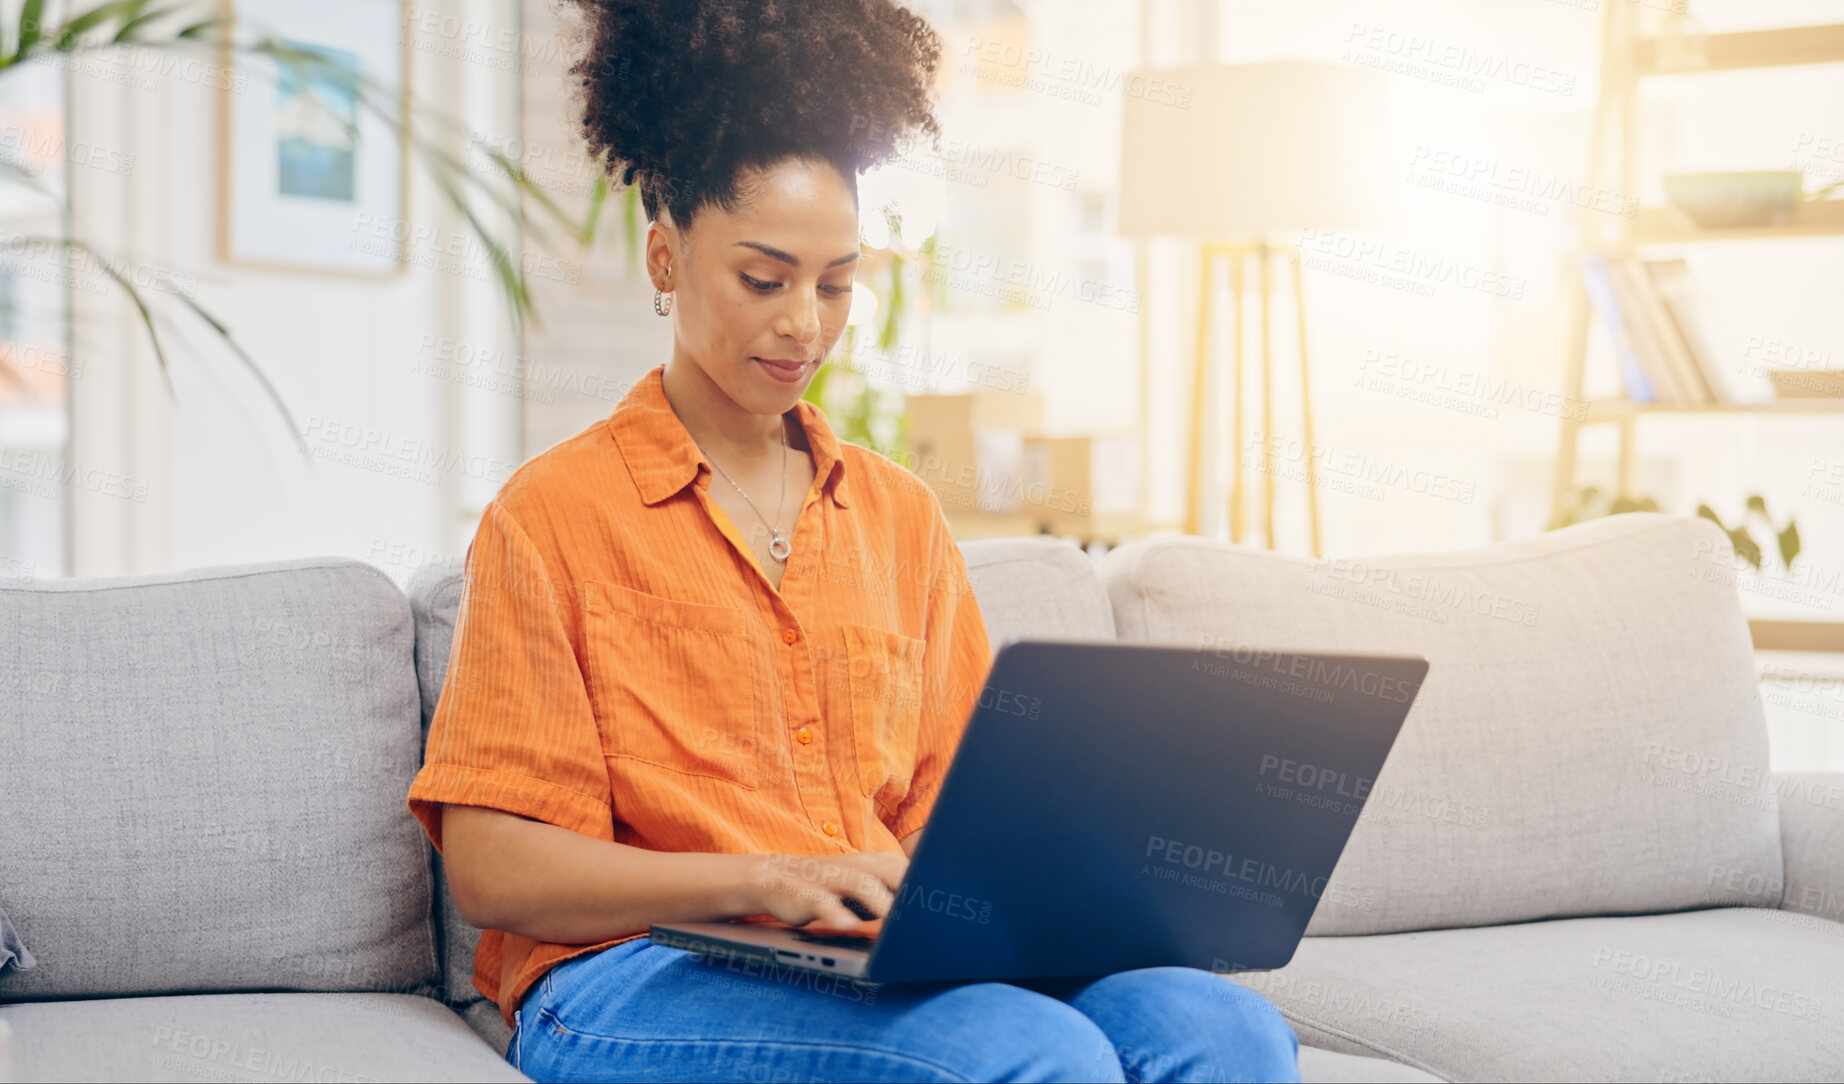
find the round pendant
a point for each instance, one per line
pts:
(778, 547)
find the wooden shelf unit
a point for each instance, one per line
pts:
(1797, 635)
(1662, 226)
(1777, 48)
(1608, 410)
(1626, 59)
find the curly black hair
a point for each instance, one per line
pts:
(686, 95)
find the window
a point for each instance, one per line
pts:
(36, 369)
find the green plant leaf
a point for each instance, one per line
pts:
(893, 307)
(125, 34)
(632, 211)
(598, 199)
(198, 29)
(31, 29)
(70, 35)
(1622, 504)
(1789, 544)
(1647, 504)
(1709, 513)
(1758, 505)
(126, 283)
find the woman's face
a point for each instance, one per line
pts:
(760, 295)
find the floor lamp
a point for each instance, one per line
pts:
(1237, 157)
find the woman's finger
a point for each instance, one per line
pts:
(874, 894)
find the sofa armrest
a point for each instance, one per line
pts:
(1812, 842)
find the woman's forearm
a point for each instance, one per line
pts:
(551, 884)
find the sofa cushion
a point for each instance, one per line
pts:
(1329, 1067)
(1812, 844)
(1729, 994)
(331, 1037)
(203, 783)
(1037, 587)
(1589, 738)
(13, 951)
(435, 599)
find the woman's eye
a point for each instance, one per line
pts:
(760, 286)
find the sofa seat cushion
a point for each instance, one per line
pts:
(1319, 1066)
(1589, 739)
(202, 783)
(331, 1037)
(1724, 994)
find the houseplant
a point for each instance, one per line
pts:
(478, 182)
(1590, 502)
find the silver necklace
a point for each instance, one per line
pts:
(778, 546)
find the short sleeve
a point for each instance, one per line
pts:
(954, 667)
(513, 729)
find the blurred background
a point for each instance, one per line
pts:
(1337, 278)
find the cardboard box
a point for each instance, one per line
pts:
(1073, 483)
(969, 448)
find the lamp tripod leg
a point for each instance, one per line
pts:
(1267, 391)
(1236, 498)
(1200, 384)
(1306, 399)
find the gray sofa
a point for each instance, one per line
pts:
(1574, 866)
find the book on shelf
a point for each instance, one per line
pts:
(1690, 311)
(1598, 281)
(1648, 352)
(1669, 352)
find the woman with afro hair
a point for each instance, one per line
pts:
(675, 694)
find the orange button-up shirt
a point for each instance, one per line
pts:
(622, 668)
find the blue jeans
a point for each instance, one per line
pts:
(640, 1011)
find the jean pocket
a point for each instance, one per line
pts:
(561, 982)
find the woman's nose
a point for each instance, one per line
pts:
(803, 323)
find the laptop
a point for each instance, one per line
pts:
(1115, 806)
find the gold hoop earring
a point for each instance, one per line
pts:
(662, 302)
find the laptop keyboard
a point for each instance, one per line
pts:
(862, 944)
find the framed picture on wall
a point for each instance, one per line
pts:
(312, 179)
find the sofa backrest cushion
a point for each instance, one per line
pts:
(202, 785)
(1589, 738)
(435, 599)
(1025, 587)
(1037, 587)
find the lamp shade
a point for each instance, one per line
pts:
(1256, 150)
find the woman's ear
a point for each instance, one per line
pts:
(662, 254)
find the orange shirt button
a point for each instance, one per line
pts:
(803, 735)
(830, 828)
(789, 636)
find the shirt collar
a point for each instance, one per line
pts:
(663, 458)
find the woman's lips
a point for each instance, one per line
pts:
(781, 369)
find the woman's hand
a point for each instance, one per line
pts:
(798, 889)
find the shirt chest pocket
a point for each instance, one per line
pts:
(885, 682)
(673, 684)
